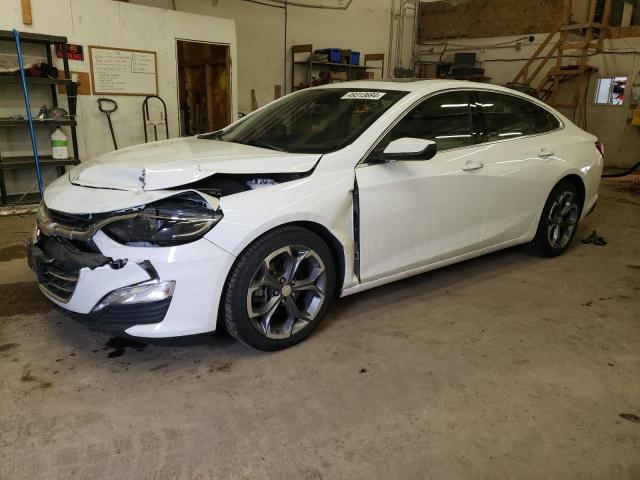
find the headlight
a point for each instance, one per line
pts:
(141, 293)
(165, 223)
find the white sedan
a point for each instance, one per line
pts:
(326, 192)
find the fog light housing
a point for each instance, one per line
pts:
(142, 293)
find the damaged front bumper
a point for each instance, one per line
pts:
(141, 291)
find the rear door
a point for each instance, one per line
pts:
(519, 146)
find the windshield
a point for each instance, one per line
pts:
(313, 121)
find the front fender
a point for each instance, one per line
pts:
(325, 200)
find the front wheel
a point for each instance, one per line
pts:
(559, 221)
(279, 289)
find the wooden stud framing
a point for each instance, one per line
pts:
(27, 18)
(560, 72)
(254, 101)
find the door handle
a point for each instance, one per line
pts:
(545, 152)
(471, 165)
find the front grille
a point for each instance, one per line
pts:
(59, 283)
(57, 262)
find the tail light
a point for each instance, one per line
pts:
(600, 147)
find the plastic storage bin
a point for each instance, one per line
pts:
(332, 53)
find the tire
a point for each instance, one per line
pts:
(279, 289)
(558, 222)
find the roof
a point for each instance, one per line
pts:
(424, 86)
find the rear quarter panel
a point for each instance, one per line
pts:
(580, 157)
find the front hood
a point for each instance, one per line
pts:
(171, 163)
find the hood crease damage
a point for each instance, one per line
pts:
(147, 173)
(166, 164)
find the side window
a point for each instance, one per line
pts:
(444, 118)
(545, 121)
(506, 116)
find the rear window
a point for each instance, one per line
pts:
(508, 116)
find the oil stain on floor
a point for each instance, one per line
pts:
(22, 298)
(12, 252)
(117, 345)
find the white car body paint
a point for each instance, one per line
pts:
(167, 163)
(415, 216)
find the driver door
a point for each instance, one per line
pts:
(417, 212)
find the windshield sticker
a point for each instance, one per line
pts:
(363, 96)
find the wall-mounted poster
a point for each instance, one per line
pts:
(122, 71)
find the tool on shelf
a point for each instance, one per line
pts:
(146, 119)
(111, 107)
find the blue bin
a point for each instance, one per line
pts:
(332, 53)
(355, 58)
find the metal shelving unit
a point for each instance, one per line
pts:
(47, 122)
(351, 70)
(28, 162)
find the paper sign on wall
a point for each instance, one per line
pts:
(121, 71)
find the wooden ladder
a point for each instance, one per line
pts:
(591, 40)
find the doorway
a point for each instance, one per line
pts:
(204, 86)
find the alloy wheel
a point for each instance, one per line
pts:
(286, 291)
(562, 219)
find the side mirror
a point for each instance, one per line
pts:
(411, 149)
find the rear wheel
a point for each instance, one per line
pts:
(279, 289)
(559, 221)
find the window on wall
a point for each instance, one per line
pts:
(610, 90)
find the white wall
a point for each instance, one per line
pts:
(259, 56)
(609, 123)
(364, 27)
(112, 24)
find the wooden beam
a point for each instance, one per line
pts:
(307, 48)
(210, 96)
(523, 75)
(624, 32)
(578, 45)
(604, 32)
(563, 38)
(27, 18)
(576, 26)
(542, 64)
(254, 102)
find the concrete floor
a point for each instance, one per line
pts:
(504, 367)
